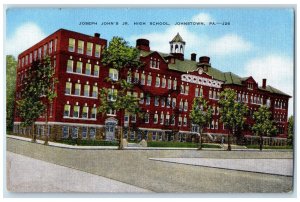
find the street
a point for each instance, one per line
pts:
(134, 167)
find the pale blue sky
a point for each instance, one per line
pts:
(258, 41)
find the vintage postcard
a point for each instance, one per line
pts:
(149, 100)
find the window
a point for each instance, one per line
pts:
(67, 110)
(167, 119)
(76, 111)
(74, 132)
(148, 99)
(97, 51)
(141, 98)
(196, 92)
(186, 105)
(84, 132)
(156, 101)
(80, 47)
(210, 94)
(112, 94)
(94, 113)
(133, 118)
(186, 90)
(129, 76)
(77, 89)
(181, 89)
(155, 118)
(212, 124)
(70, 66)
(185, 121)
(96, 70)
(92, 133)
(154, 64)
(173, 102)
(68, 88)
(50, 47)
(113, 74)
(179, 121)
(174, 84)
(71, 46)
(55, 44)
(126, 118)
(180, 105)
(89, 49)
(218, 110)
(40, 53)
(65, 132)
(136, 77)
(217, 124)
(162, 118)
(172, 120)
(164, 82)
(86, 90)
(88, 68)
(201, 92)
(157, 81)
(95, 91)
(79, 67)
(26, 60)
(143, 78)
(147, 118)
(45, 50)
(149, 80)
(35, 55)
(162, 102)
(250, 86)
(169, 83)
(169, 101)
(154, 136)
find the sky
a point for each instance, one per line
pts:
(258, 42)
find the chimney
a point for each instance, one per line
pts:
(264, 83)
(97, 35)
(193, 56)
(143, 44)
(204, 59)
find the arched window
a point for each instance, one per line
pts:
(176, 48)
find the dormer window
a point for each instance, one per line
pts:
(250, 86)
(154, 63)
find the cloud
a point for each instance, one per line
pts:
(160, 40)
(228, 44)
(277, 69)
(24, 37)
(202, 17)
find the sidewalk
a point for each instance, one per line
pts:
(26, 174)
(56, 144)
(131, 147)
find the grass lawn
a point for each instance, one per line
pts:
(269, 147)
(88, 142)
(181, 144)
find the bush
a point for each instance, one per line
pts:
(88, 142)
(181, 144)
(269, 147)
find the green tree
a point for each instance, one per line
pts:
(232, 113)
(200, 115)
(263, 124)
(37, 94)
(291, 130)
(120, 56)
(11, 66)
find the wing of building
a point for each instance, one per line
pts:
(166, 86)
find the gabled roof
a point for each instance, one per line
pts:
(227, 77)
(177, 38)
(273, 90)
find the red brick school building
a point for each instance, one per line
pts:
(166, 86)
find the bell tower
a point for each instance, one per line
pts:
(177, 47)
